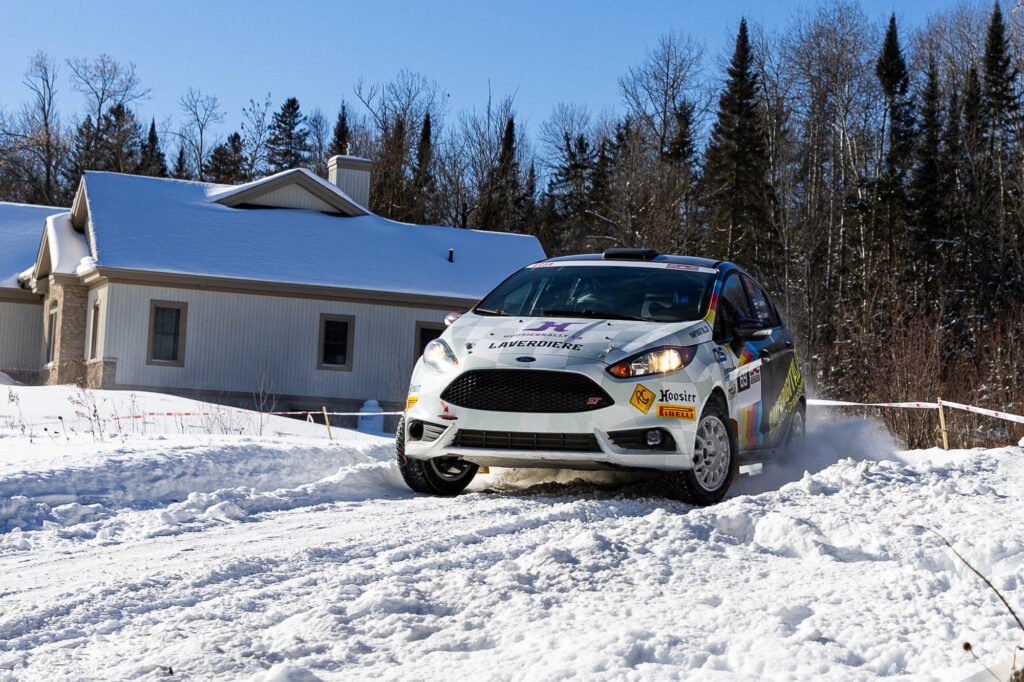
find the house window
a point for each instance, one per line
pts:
(425, 333)
(167, 322)
(95, 335)
(335, 346)
(51, 340)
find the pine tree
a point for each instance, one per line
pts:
(289, 139)
(738, 193)
(424, 185)
(891, 70)
(929, 229)
(181, 168)
(227, 162)
(1001, 109)
(342, 138)
(389, 192)
(84, 155)
(151, 158)
(498, 203)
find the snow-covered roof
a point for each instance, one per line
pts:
(21, 228)
(174, 226)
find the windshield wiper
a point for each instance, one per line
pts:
(488, 311)
(594, 314)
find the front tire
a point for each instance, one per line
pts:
(446, 476)
(715, 460)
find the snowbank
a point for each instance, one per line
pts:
(294, 558)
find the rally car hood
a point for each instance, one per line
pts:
(606, 341)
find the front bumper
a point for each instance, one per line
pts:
(547, 440)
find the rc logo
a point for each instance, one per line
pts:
(642, 399)
(555, 326)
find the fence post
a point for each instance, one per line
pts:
(327, 421)
(942, 424)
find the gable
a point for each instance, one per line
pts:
(297, 189)
(291, 196)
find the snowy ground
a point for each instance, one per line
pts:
(176, 546)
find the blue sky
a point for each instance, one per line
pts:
(543, 52)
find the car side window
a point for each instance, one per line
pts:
(763, 309)
(732, 305)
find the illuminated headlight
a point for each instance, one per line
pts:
(657, 361)
(439, 356)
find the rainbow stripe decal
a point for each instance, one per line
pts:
(710, 317)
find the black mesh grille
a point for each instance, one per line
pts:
(526, 390)
(512, 440)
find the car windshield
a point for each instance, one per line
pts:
(655, 292)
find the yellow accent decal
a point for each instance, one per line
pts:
(687, 412)
(642, 398)
(412, 400)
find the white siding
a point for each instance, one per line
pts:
(292, 196)
(21, 335)
(233, 340)
(96, 295)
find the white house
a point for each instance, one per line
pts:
(21, 326)
(285, 285)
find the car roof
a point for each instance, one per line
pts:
(660, 258)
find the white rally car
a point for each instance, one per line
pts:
(627, 360)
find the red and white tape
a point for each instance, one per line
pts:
(981, 410)
(335, 414)
(998, 414)
(844, 403)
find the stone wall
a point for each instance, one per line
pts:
(68, 366)
(100, 373)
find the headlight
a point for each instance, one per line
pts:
(439, 356)
(657, 361)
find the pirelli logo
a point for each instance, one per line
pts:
(412, 400)
(687, 412)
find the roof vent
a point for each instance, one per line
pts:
(630, 254)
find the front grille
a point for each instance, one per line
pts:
(512, 440)
(526, 390)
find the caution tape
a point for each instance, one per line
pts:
(335, 414)
(998, 414)
(844, 403)
(981, 410)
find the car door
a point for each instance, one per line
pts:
(745, 359)
(780, 376)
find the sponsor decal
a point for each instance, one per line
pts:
(732, 391)
(541, 265)
(700, 331)
(755, 375)
(414, 389)
(720, 355)
(788, 396)
(562, 345)
(681, 266)
(554, 326)
(642, 399)
(446, 412)
(687, 412)
(411, 401)
(678, 395)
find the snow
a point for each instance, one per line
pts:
(175, 226)
(21, 228)
(285, 556)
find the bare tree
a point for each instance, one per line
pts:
(201, 112)
(255, 135)
(668, 78)
(34, 142)
(105, 82)
(319, 140)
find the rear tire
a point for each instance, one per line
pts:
(446, 476)
(716, 460)
(797, 430)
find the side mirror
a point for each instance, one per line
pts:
(450, 318)
(747, 328)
